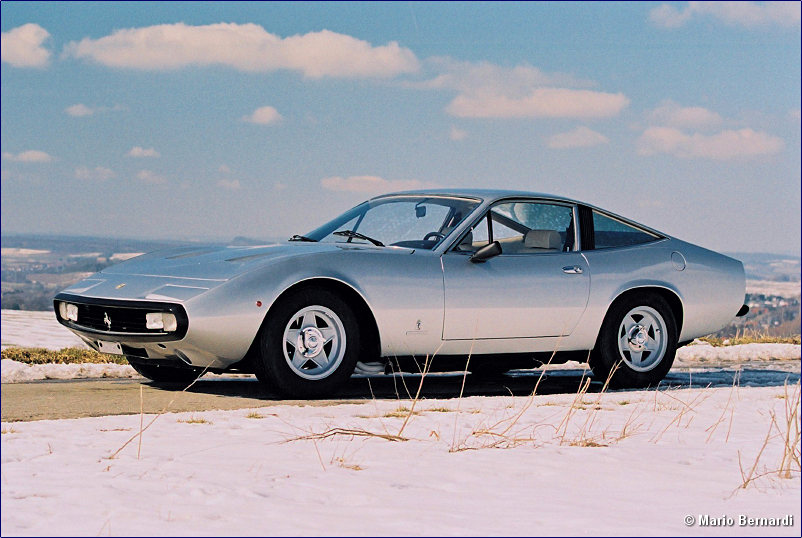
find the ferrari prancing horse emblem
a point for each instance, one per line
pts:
(107, 320)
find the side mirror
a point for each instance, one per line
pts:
(491, 250)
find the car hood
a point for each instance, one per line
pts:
(211, 262)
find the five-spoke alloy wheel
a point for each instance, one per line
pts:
(637, 341)
(309, 345)
(314, 342)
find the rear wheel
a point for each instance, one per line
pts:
(165, 374)
(637, 342)
(309, 346)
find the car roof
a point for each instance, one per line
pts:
(483, 194)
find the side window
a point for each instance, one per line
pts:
(475, 238)
(610, 233)
(525, 228)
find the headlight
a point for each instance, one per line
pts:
(68, 311)
(161, 320)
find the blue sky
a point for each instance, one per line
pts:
(211, 120)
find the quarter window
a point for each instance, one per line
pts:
(611, 233)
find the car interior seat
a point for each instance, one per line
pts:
(540, 240)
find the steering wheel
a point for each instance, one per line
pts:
(435, 235)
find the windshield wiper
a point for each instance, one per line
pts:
(356, 235)
(297, 237)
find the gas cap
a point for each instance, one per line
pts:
(678, 261)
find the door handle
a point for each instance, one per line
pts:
(572, 270)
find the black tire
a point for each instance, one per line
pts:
(273, 365)
(166, 374)
(631, 368)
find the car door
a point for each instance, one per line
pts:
(537, 287)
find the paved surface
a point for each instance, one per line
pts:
(86, 398)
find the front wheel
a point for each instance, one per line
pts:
(309, 345)
(637, 342)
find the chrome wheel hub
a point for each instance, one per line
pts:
(638, 337)
(310, 342)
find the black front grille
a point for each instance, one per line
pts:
(113, 319)
(121, 318)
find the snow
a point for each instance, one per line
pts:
(770, 287)
(650, 458)
(18, 372)
(27, 328)
(702, 352)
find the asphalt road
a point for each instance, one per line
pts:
(98, 397)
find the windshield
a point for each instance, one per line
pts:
(414, 221)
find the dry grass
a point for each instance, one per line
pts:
(67, 355)
(193, 420)
(341, 462)
(786, 430)
(143, 427)
(716, 341)
(254, 415)
(10, 429)
(347, 432)
(439, 410)
(789, 428)
(401, 412)
(686, 411)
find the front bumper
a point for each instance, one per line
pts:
(120, 320)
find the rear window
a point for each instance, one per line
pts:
(611, 233)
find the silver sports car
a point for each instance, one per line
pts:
(511, 279)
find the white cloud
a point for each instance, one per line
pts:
(457, 134)
(725, 145)
(486, 90)
(581, 137)
(151, 178)
(30, 156)
(22, 46)
(137, 151)
(263, 116)
(224, 169)
(671, 114)
(98, 173)
(369, 184)
(246, 47)
(229, 184)
(486, 77)
(540, 103)
(80, 110)
(748, 14)
(668, 16)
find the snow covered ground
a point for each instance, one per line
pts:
(26, 328)
(626, 463)
(770, 287)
